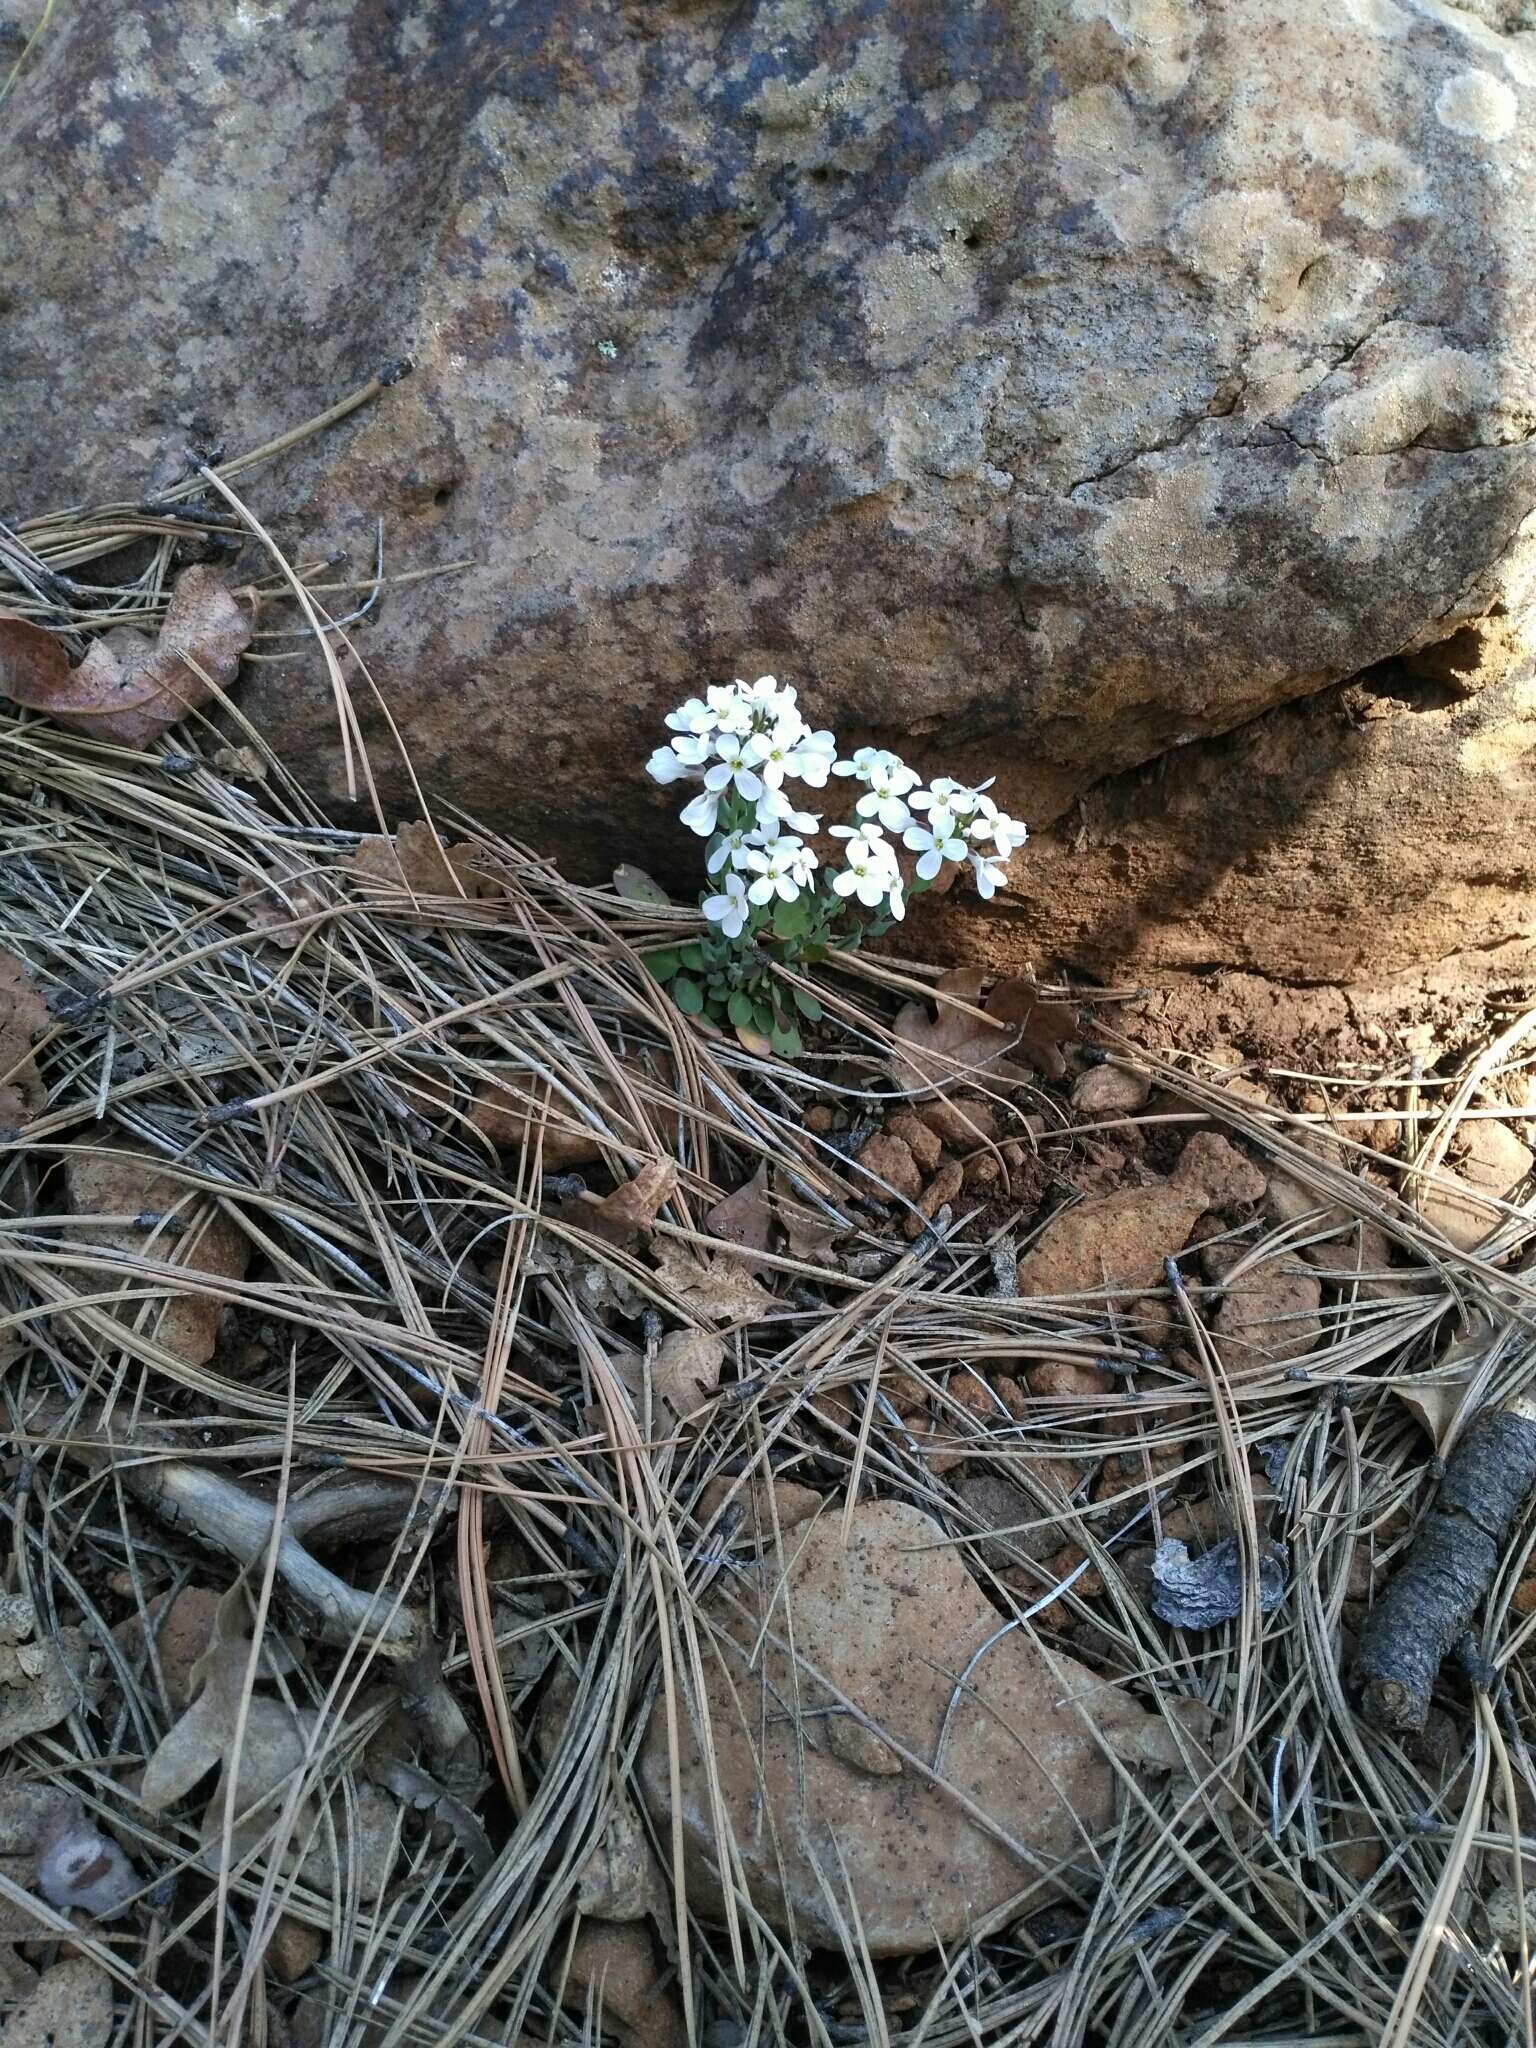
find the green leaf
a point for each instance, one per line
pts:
(687, 995)
(785, 1040)
(806, 1004)
(692, 955)
(763, 1018)
(742, 1009)
(792, 920)
(816, 952)
(662, 965)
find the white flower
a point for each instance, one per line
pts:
(871, 873)
(817, 751)
(779, 869)
(730, 706)
(729, 909)
(770, 700)
(700, 815)
(732, 847)
(934, 843)
(991, 875)
(866, 762)
(958, 798)
(734, 765)
(1006, 834)
(799, 860)
(666, 765)
(889, 780)
(775, 810)
(693, 717)
(783, 751)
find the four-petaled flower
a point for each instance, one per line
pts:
(732, 847)
(889, 780)
(934, 843)
(729, 909)
(871, 874)
(991, 875)
(734, 765)
(778, 868)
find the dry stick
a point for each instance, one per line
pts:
(1449, 1567)
(242, 1524)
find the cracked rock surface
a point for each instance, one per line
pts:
(1045, 386)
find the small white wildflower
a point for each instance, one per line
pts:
(889, 780)
(867, 762)
(1006, 834)
(735, 765)
(770, 700)
(871, 874)
(730, 707)
(774, 811)
(729, 909)
(782, 751)
(732, 847)
(958, 798)
(778, 869)
(991, 875)
(694, 717)
(700, 815)
(667, 765)
(934, 843)
(817, 752)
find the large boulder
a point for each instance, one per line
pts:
(1040, 385)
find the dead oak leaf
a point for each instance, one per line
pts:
(129, 688)
(284, 909)
(632, 1208)
(1043, 1026)
(23, 1020)
(417, 860)
(955, 1045)
(717, 1290)
(742, 1218)
(187, 1231)
(41, 1680)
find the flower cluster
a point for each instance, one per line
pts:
(744, 744)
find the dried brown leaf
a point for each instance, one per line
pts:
(42, 1680)
(1043, 1027)
(719, 1291)
(687, 1370)
(23, 1020)
(130, 688)
(416, 859)
(743, 1218)
(208, 1243)
(955, 1045)
(283, 910)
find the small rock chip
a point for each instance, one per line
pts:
(924, 1144)
(616, 1964)
(892, 1166)
(1212, 1166)
(819, 1118)
(293, 1950)
(1270, 1312)
(1116, 1241)
(1494, 1158)
(982, 1171)
(962, 1125)
(942, 1189)
(1110, 1091)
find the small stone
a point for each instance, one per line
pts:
(1116, 1242)
(1270, 1313)
(616, 1963)
(293, 1950)
(1213, 1166)
(1493, 1158)
(923, 1143)
(890, 1161)
(982, 1172)
(1110, 1091)
(1523, 1599)
(818, 1118)
(962, 1125)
